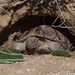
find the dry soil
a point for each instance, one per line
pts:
(40, 65)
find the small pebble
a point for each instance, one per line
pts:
(28, 70)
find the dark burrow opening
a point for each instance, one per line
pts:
(30, 22)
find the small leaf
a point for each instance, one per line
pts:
(61, 53)
(10, 56)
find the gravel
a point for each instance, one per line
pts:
(40, 65)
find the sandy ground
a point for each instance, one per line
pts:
(40, 65)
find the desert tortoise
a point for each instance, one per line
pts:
(41, 39)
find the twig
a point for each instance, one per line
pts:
(70, 10)
(60, 14)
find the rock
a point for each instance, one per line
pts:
(4, 20)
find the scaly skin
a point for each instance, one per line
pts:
(32, 42)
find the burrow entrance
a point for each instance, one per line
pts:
(30, 22)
